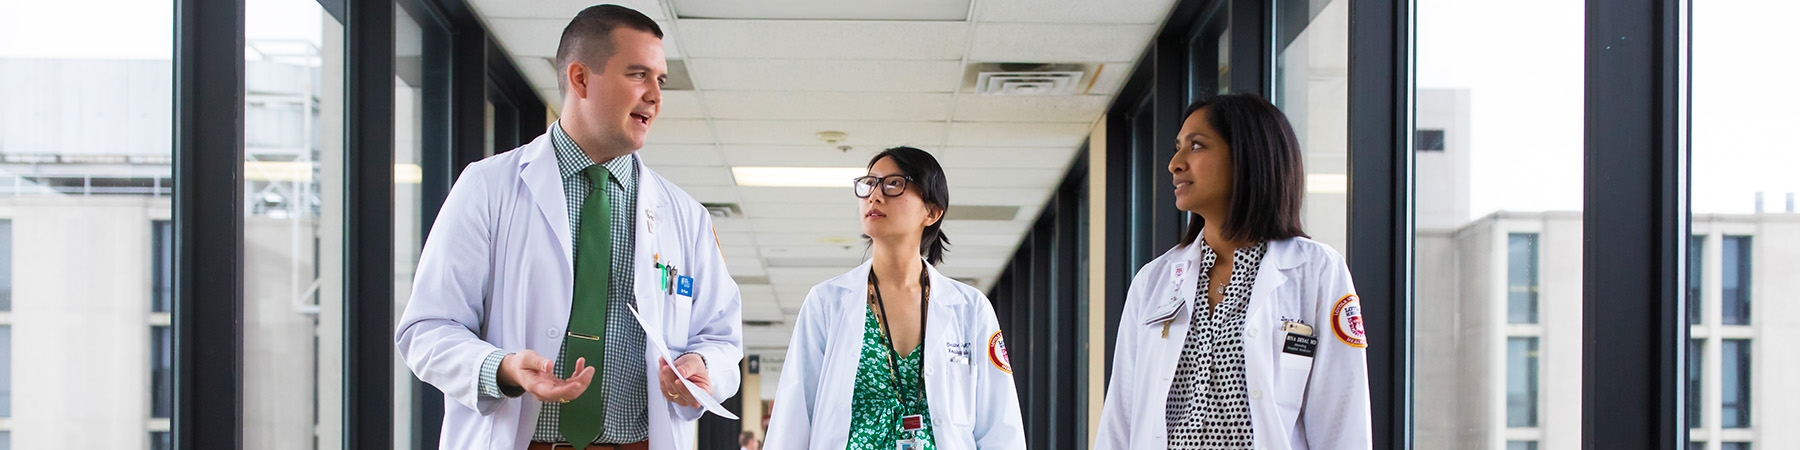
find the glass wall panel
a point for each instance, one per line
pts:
(293, 225)
(1742, 200)
(1312, 49)
(1497, 156)
(86, 120)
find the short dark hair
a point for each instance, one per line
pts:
(588, 38)
(928, 178)
(1266, 169)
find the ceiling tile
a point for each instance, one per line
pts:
(745, 267)
(820, 155)
(681, 105)
(996, 134)
(825, 75)
(710, 194)
(805, 226)
(805, 276)
(540, 72)
(679, 131)
(1013, 108)
(811, 195)
(817, 39)
(1073, 11)
(539, 37)
(564, 10)
(1018, 158)
(1059, 43)
(829, 106)
(696, 176)
(1111, 78)
(831, 210)
(658, 156)
(883, 134)
(974, 178)
(999, 196)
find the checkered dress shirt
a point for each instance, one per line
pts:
(621, 379)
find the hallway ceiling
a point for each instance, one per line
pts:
(763, 85)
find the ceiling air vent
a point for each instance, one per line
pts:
(762, 323)
(1027, 79)
(723, 210)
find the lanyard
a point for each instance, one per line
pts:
(886, 339)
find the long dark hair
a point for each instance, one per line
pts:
(1266, 169)
(929, 181)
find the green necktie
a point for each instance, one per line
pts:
(582, 419)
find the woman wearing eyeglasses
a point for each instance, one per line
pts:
(894, 355)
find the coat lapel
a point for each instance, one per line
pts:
(537, 167)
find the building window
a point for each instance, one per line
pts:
(1521, 277)
(1696, 272)
(1521, 445)
(159, 440)
(1735, 263)
(1521, 382)
(1734, 389)
(1734, 446)
(5, 372)
(1695, 370)
(1428, 140)
(161, 372)
(5, 265)
(162, 266)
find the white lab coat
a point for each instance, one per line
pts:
(1296, 402)
(969, 391)
(496, 273)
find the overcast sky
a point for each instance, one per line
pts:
(1521, 60)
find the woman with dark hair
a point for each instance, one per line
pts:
(1247, 334)
(894, 355)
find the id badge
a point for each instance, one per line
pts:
(908, 444)
(913, 422)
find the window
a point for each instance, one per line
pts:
(293, 231)
(1497, 225)
(1696, 284)
(1735, 282)
(162, 378)
(6, 373)
(1521, 445)
(1521, 382)
(86, 138)
(1734, 388)
(1521, 278)
(1428, 140)
(6, 265)
(1734, 446)
(1696, 361)
(1311, 86)
(162, 339)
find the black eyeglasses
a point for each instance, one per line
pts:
(891, 185)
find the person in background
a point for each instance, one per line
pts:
(894, 355)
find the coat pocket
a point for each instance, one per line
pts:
(1290, 395)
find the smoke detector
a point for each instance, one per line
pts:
(834, 138)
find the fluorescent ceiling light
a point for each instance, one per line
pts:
(1327, 183)
(796, 176)
(927, 10)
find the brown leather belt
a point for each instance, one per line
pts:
(535, 445)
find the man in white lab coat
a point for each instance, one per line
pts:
(567, 270)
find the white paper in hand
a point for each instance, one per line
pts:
(706, 399)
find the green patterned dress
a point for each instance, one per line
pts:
(875, 410)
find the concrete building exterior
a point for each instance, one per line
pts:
(1499, 316)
